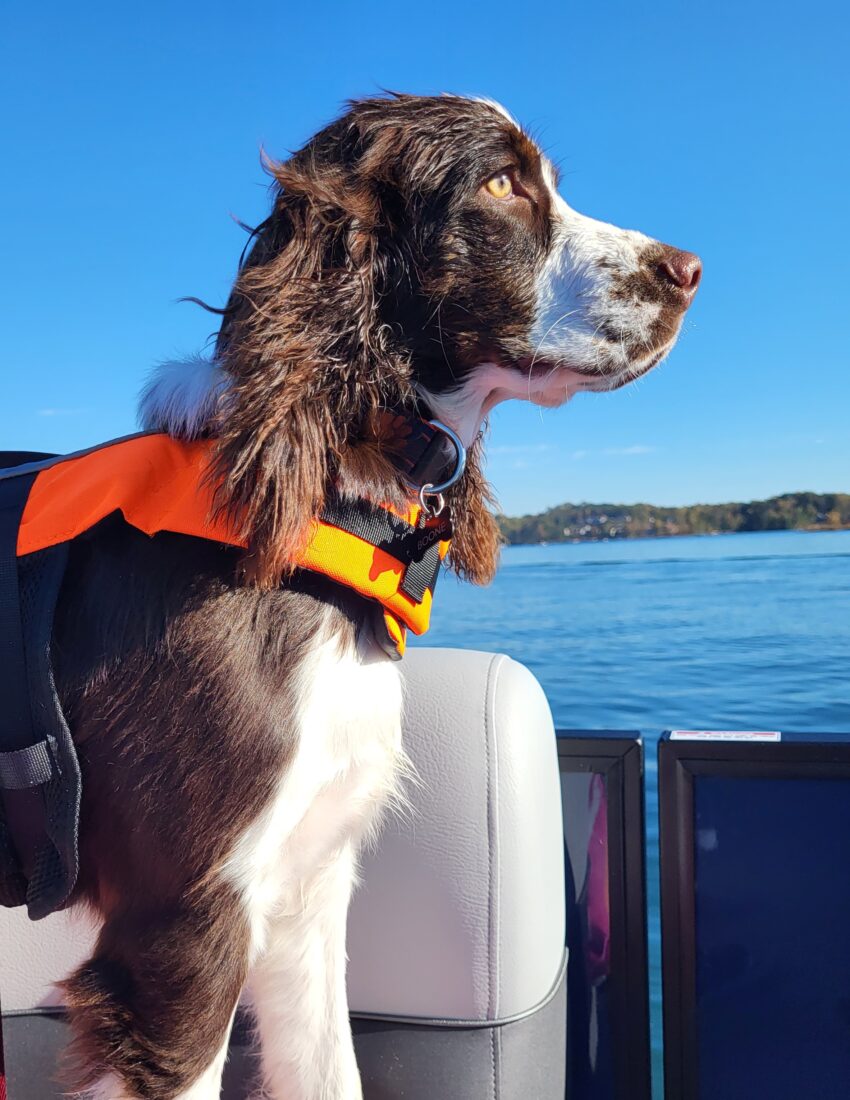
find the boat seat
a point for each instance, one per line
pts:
(456, 934)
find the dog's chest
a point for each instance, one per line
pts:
(344, 769)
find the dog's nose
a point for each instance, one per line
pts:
(682, 269)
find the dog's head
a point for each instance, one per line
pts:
(418, 254)
(495, 285)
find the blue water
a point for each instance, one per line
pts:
(748, 631)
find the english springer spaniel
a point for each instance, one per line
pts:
(237, 724)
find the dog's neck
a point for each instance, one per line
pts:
(182, 398)
(186, 401)
(466, 408)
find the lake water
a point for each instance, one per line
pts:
(747, 631)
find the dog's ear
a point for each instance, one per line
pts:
(476, 539)
(308, 360)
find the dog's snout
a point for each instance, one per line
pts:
(681, 269)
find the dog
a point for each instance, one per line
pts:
(237, 724)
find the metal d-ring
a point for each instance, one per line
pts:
(460, 462)
(428, 508)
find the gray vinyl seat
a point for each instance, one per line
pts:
(457, 975)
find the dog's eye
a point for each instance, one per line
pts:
(500, 186)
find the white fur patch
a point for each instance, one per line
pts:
(295, 867)
(181, 397)
(349, 745)
(573, 293)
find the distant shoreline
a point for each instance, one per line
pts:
(684, 535)
(579, 523)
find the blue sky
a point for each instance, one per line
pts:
(719, 127)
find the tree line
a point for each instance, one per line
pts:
(594, 522)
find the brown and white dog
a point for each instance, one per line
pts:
(238, 727)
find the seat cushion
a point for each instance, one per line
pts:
(460, 916)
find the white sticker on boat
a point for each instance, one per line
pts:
(725, 735)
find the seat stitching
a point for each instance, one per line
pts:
(491, 899)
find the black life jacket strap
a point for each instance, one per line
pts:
(28, 767)
(13, 679)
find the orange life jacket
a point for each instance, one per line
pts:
(159, 484)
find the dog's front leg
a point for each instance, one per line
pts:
(299, 995)
(151, 1010)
